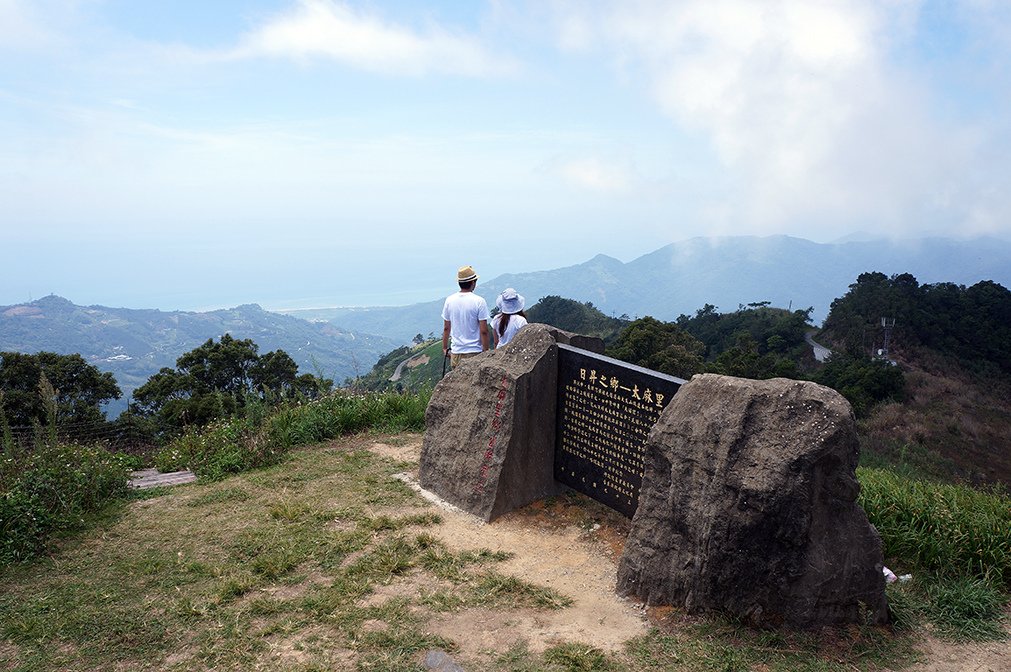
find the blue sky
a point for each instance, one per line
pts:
(292, 153)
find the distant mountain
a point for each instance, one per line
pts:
(134, 344)
(682, 277)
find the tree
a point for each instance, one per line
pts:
(863, 381)
(275, 373)
(80, 388)
(580, 318)
(661, 346)
(745, 361)
(971, 324)
(219, 379)
(418, 339)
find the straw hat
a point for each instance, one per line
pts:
(509, 302)
(466, 274)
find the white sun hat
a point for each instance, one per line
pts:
(509, 302)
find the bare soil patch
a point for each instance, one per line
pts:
(552, 545)
(948, 657)
(418, 361)
(405, 452)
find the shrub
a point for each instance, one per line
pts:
(238, 444)
(343, 412)
(952, 529)
(223, 447)
(50, 490)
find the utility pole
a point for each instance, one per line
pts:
(887, 324)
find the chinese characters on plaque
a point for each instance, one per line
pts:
(606, 409)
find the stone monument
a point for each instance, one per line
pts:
(490, 427)
(748, 507)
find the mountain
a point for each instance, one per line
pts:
(682, 277)
(134, 344)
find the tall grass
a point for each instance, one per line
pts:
(235, 445)
(343, 412)
(951, 529)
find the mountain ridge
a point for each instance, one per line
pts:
(135, 343)
(679, 278)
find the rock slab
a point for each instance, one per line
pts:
(490, 427)
(748, 507)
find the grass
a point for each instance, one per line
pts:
(940, 527)
(326, 561)
(276, 568)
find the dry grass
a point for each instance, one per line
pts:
(952, 427)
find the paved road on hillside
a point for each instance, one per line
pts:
(821, 353)
(400, 367)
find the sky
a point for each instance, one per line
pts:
(302, 153)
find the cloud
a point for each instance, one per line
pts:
(806, 104)
(325, 29)
(22, 29)
(596, 175)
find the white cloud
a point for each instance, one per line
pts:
(333, 30)
(22, 29)
(805, 105)
(596, 175)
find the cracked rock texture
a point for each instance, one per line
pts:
(748, 507)
(490, 427)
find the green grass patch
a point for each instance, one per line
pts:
(344, 413)
(940, 527)
(217, 576)
(955, 540)
(51, 490)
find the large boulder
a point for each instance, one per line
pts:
(490, 427)
(748, 507)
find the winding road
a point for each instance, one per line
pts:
(821, 353)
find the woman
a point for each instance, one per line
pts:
(511, 318)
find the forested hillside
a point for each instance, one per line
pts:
(135, 344)
(971, 324)
(953, 344)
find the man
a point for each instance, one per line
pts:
(464, 320)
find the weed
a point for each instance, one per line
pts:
(933, 526)
(579, 658)
(51, 490)
(966, 608)
(494, 589)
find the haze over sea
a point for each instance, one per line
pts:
(304, 153)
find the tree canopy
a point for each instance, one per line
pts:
(80, 388)
(218, 379)
(661, 346)
(579, 318)
(972, 324)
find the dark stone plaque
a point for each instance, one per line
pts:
(606, 409)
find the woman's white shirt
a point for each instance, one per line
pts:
(516, 322)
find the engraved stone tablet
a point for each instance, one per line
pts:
(606, 409)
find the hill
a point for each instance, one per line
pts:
(726, 272)
(135, 344)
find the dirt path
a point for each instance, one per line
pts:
(948, 657)
(562, 556)
(580, 562)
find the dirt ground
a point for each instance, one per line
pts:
(575, 551)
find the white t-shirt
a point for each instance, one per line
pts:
(515, 322)
(465, 310)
